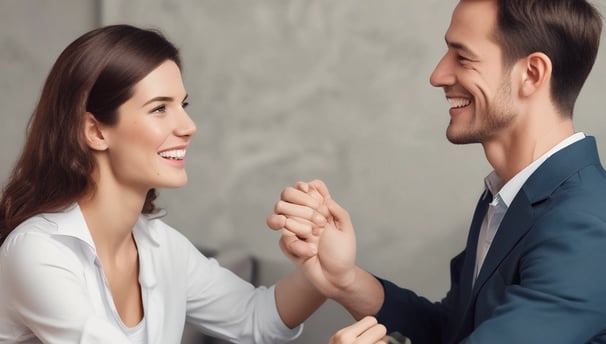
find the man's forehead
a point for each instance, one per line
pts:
(471, 17)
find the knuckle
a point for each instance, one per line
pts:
(279, 207)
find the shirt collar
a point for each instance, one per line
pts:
(507, 192)
(70, 222)
(145, 228)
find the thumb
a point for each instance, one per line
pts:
(340, 215)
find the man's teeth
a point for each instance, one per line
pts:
(459, 102)
(175, 154)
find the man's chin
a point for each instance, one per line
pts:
(461, 138)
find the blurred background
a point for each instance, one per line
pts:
(288, 90)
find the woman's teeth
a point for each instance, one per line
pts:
(175, 154)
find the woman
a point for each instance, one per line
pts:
(85, 257)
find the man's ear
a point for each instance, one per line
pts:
(535, 73)
(93, 134)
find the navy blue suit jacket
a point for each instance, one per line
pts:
(544, 277)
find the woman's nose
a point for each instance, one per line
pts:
(186, 126)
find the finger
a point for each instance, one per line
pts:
(363, 324)
(285, 250)
(313, 192)
(299, 227)
(318, 190)
(319, 185)
(366, 331)
(303, 186)
(375, 334)
(357, 328)
(305, 212)
(296, 248)
(296, 196)
(275, 221)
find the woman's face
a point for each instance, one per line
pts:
(146, 148)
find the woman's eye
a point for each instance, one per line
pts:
(161, 108)
(185, 105)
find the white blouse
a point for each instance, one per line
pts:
(52, 288)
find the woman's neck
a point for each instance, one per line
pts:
(110, 214)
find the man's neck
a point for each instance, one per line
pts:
(511, 153)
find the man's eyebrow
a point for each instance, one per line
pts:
(163, 99)
(460, 46)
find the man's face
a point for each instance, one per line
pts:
(472, 75)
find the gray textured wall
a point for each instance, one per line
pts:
(287, 90)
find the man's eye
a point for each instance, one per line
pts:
(462, 58)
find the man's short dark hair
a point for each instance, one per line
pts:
(567, 31)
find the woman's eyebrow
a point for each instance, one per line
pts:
(159, 99)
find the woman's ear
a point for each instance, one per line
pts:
(535, 73)
(93, 134)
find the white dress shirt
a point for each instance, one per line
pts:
(504, 195)
(53, 289)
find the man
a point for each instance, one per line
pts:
(533, 267)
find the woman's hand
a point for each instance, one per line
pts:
(365, 331)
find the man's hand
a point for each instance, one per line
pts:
(317, 235)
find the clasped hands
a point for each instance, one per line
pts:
(318, 237)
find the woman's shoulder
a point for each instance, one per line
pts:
(32, 232)
(41, 240)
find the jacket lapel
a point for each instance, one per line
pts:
(516, 223)
(470, 253)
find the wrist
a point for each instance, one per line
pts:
(347, 283)
(362, 295)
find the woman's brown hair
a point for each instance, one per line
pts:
(96, 73)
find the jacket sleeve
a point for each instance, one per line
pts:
(423, 321)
